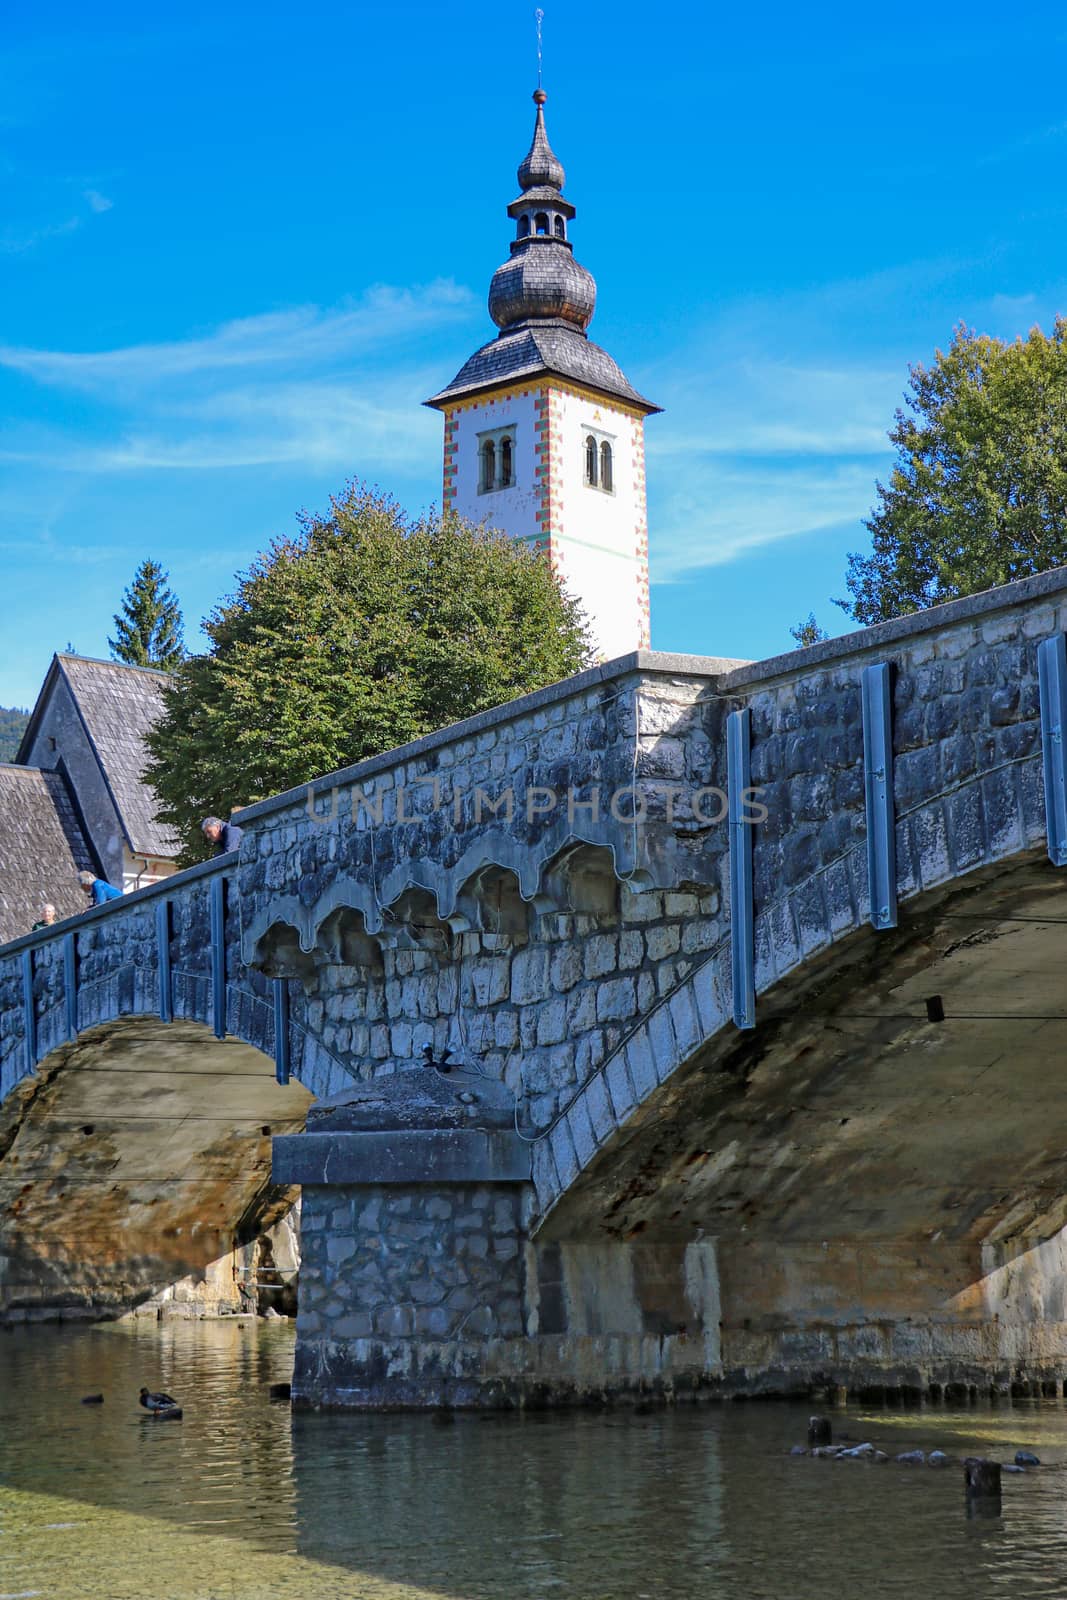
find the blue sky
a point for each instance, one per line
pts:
(240, 244)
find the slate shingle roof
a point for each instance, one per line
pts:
(541, 347)
(42, 849)
(118, 705)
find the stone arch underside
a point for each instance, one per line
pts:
(133, 1162)
(879, 1188)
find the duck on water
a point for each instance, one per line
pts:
(160, 1405)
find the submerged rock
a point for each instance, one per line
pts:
(1026, 1458)
(938, 1458)
(858, 1452)
(911, 1458)
(799, 1450)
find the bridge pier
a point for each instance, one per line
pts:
(420, 1283)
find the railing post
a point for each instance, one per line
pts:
(742, 922)
(70, 982)
(876, 695)
(166, 985)
(281, 1029)
(1052, 684)
(29, 1019)
(218, 956)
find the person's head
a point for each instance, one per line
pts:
(48, 914)
(86, 879)
(211, 828)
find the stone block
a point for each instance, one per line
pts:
(566, 968)
(661, 942)
(600, 956)
(641, 1065)
(660, 1034)
(564, 1155)
(491, 979)
(353, 1325)
(686, 1023)
(552, 1023)
(529, 976)
(598, 1104)
(616, 1000)
(621, 1090)
(583, 1134)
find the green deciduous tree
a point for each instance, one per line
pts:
(361, 632)
(978, 495)
(149, 627)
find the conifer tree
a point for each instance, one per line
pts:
(149, 627)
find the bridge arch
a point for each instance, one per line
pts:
(969, 856)
(136, 1160)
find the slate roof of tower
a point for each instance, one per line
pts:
(42, 849)
(540, 348)
(118, 704)
(541, 298)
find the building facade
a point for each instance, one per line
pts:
(544, 435)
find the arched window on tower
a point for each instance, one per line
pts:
(541, 222)
(524, 226)
(488, 467)
(506, 479)
(561, 232)
(607, 475)
(591, 462)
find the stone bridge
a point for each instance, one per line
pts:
(752, 980)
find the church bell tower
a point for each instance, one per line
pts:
(544, 436)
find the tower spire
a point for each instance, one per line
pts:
(541, 166)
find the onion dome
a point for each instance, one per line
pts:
(542, 279)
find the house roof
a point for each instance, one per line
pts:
(42, 849)
(117, 705)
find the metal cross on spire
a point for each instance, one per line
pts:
(539, 17)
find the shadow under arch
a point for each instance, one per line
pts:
(891, 1135)
(135, 1158)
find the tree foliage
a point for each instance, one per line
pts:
(361, 632)
(149, 626)
(978, 495)
(13, 724)
(809, 632)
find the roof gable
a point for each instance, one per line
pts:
(117, 705)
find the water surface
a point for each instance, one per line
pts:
(242, 1501)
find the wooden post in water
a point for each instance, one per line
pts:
(819, 1430)
(982, 1483)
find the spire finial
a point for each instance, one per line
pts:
(539, 17)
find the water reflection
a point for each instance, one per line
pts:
(242, 1501)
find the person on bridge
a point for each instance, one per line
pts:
(225, 836)
(98, 889)
(47, 918)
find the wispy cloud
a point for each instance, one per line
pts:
(303, 337)
(16, 241)
(721, 513)
(98, 202)
(307, 387)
